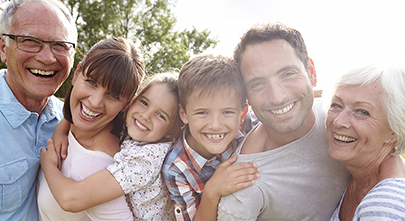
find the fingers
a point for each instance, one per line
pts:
(247, 175)
(243, 185)
(57, 149)
(239, 169)
(49, 144)
(228, 161)
(243, 180)
(48, 158)
(240, 166)
(59, 163)
(243, 174)
(64, 150)
(44, 149)
(50, 147)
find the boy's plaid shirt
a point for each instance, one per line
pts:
(185, 172)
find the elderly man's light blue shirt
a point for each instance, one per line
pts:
(22, 135)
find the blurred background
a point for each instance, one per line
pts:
(340, 35)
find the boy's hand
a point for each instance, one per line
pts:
(230, 178)
(49, 156)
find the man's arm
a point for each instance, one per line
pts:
(243, 205)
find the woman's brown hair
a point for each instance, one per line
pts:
(118, 66)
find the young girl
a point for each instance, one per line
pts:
(153, 124)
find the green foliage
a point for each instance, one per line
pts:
(2, 65)
(149, 23)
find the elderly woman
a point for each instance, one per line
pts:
(366, 129)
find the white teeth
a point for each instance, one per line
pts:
(215, 136)
(47, 73)
(88, 113)
(140, 125)
(284, 110)
(343, 138)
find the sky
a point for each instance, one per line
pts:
(340, 35)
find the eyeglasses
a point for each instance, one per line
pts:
(32, 44)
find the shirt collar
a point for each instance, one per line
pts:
(199, 161)
(14, 112)
(196, 159)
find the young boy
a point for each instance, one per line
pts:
(212, 97)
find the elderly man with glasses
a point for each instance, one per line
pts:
(38, 45)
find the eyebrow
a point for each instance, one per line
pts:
(205, 109)
(287, 68)
(199, 109)
(357, 102)
(230, 108)
(166, 113)
(34, 36)
(146, 98)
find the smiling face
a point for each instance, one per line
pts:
(278, 86)
(93, 106)
(37, 75)
(357, 127)
(151, 114)
(213, 120)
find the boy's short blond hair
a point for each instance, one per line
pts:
(207, 74)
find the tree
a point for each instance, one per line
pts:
(149, 23)
(163, 48)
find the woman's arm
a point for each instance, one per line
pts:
(60, 139)
(76, 196)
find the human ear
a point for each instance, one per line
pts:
(183, 114)
(392, 138)
(168, 136)
(312, 72)
(3, 50)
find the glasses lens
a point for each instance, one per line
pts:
(62, 48)
(28, 44)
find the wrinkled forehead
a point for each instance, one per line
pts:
(42, 20)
